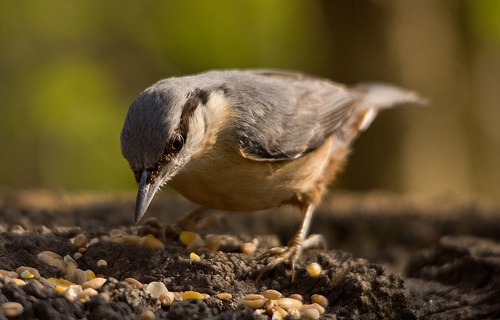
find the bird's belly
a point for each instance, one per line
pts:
(239, 184)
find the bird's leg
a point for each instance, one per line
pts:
(290, 253)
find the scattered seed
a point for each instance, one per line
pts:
(224, 296)
(281, 311)
(248, 247)
(117, 233)
(77, 255)
(152, 243)
(133, 239)
(310, 313)
(12, 309)
(81, 241)
(89, 274)
(11, 274)
(133, 282)
(72, 292)
(272, 294)
(294, 313)
(195, 245)
(191, 295)
(102, 263)
(194, 257)
(254, 301)
(212, 242)
(177, 296)
(320, 299)
(147, 315)
(93, 241)
(166, 299)
(287, 303)
(105, 296)
(78, 276)
(19, 282)
(51, 254)
(95, 283)
(28, 272)
(296, 296)
(156, 288)
(187, 237)
(81, 250)
(277, 315)
(314, 269)
(60, 282)
(86, 294)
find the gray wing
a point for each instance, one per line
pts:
(284, 116)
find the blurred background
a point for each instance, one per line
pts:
(70, 69)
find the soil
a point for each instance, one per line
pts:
(389, 257)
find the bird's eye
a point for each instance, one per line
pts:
(177, 143)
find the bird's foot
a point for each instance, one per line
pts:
(290, 253)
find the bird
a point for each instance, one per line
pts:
(248, 140)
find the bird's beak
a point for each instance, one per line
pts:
(145, 194)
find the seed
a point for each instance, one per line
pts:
(248, 247)
(287, 303)
(11, 274)
(77, 255)
(297, 297)
(133, 282)
(78, 276)
(314, 269)
(281, 311)
(254, 301)
(19, 282)
(12, 309)
(81, 241)
(50, 260)
(316, 306)
(117, 233)
(93, 241)
(152, 243)
(205, 295)
(102, 263)
(86, 294)
(72, 292)
(276, 316)
(133, 239)
(177, 296)
(195, 245)
(60, 282)
(105, 296)
(28, 272)
(294, 313)
(95, 283)
(212, 242)
(310, 313)
(187, 237)
(50, 254)
(224, 296)
(156, 288)
(166, 299)
(147, 315)
(320, 299)
(191, 295)
(89, 274)
(272, 294)
(194, 257)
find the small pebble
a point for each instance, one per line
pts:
(156, 288)
(86, 294)
(77, 255)
(72, 292)
(12, 309)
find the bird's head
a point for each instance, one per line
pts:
(163, 129)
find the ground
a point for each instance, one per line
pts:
(388, 256)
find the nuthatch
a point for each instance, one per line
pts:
(249, 140)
